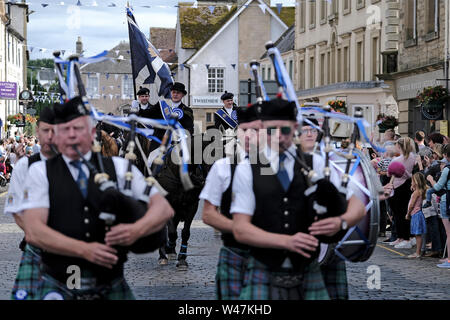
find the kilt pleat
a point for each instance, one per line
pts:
(230, 273)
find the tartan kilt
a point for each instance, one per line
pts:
(257, 282)
(230, 273)
(28, 275)
(335, 278)
(48, 285)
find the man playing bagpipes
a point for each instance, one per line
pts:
(29, 269)
(273, 215)
(79, 225)
(216, 210)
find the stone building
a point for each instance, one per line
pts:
(215, 42)
(417, 56)
(338, 46)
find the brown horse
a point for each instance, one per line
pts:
(109, 145)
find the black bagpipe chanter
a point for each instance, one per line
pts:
(118, 207)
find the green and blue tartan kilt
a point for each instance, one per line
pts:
(28, 275)
(49, 287)
(257, 282)
(335, 277)
(230, 273)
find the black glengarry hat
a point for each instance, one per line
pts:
(178, 86)
(227, 96)
(278, 109)
(47, 115)
(70, 110)
(143, 91)
(247, 114)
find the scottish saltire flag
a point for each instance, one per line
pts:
(147, 64)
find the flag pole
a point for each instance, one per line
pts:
(131, 53)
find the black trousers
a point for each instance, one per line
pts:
(399, 206)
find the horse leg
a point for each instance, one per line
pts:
(162, 260)
(172, 242)
(185, 235)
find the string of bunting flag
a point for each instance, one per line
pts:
(120, 4)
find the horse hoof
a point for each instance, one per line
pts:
(172, 256)
(163, 262)
(182, 265)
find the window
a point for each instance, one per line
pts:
(322, 69)
(323, 12)
(334, 7)
(359, 61)
(291, 69)
(302, 74)
(269, 71)
(18, 56)
(346, 64)
(208, 117)
(92, 85)
(411, 32)
(332, 65)
(311, 72)
(329, 67)
(312, 14)
(263, 73)
(360, 4)
(215, 79)
(432, 19)
(127, 87)
(302, 14)
(339, 65)
(347, 6)
(375, 58)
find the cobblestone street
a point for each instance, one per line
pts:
(401, 278)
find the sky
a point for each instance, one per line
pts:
(58, 25)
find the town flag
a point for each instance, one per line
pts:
(146, 61)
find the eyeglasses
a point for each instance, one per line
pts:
(284, 130)
(309, 131)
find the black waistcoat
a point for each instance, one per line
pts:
(34, 158)
(225, 205)
(280, 212)
(76, 217)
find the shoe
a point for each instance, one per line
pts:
(414, 256)
(403, 245)
(445, 265)
(388, 240)
(443, 260)
(426, 205)
(413, 241)
(432, 254)
(396, 242)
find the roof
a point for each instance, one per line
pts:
(285, 42)
(287, 14)
(108, 66)
(164, 40)
(198, 25)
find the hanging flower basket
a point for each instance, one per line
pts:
(385, 122)
(338, 105)
(433, 96)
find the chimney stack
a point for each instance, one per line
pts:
(79, 46)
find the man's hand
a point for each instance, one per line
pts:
(122, 235)
(20, 150)
(100, 254)
(327, 227)
(302, 241)
(407, 217)
(430, 179)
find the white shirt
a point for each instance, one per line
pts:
(37, 185)
(16, 187)
(144, 106)
(218, 180)
(176, 104)
(228, 110)
(243, 197)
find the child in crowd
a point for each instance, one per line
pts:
(418, 224)
(430, 191)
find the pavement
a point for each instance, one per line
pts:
(399, 278)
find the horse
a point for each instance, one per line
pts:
(184, 203)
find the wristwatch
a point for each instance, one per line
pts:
(344, 225)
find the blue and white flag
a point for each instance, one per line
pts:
(146, 61)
